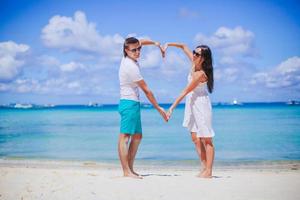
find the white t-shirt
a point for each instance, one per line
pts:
(129, 73)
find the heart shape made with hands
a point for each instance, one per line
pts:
(166, 114)
(163, 49)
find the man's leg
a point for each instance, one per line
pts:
(134, 144)
(123, 155)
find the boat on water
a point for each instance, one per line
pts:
(235, 102)
(293, 102)
(146, 105)
(48, 105)
(25, 106)
(94, 104)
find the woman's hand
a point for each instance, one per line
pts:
(166, 45)
(169, 113)
(164, 49)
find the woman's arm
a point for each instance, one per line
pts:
(185, 48)
(198, 77)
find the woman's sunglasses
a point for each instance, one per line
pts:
(196, 53)
(136, 49)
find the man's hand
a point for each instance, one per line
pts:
(162, 50)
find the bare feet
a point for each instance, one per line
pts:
(131, 175)
(206, 174)
(201, 172)
(135, 173)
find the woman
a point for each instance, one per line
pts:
(198, 111)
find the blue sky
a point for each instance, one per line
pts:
(68, 52)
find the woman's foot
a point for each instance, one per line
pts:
(206, 174)
(201, 172)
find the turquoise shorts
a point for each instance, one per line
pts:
(130, 112)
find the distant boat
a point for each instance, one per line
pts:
(94, 104)
(19, 105)
(146, 105)
(48, 105)
(220, 103)
(293, 102)
(235, 102)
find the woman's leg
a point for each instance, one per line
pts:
(210, 153)
(203, 156)
(200, 151)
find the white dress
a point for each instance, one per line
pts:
(198, 111)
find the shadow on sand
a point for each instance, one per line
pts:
(145, 175)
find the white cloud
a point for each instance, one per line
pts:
(229, 74)
(217, 74)
(72, 66)
(47, 60)
(230, 47)
(230, 42)
(174, 64)
(290, 66)
(25, 85)
(78, 34)
(226, 60)
(286, 74)
(151, 58)
(74, 84)
(63, 85)
(11, 60)
(4, 87)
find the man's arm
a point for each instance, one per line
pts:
(142, 84)
(150, 42)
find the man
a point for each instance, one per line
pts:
(129, 106)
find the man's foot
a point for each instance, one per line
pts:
(135, 173)
(132, 171)
(131, 175)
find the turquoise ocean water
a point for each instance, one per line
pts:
(248, 132)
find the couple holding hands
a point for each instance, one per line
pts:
(198, 110)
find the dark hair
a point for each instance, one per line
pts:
(130, 40)
(207, 66)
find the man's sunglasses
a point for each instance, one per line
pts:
(136, 49)
(196, 53)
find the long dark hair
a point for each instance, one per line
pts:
(207, 66)
(130, 40)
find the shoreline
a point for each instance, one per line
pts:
(190, 165)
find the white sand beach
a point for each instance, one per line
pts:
(92, 180)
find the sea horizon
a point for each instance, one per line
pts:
(148, 104)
